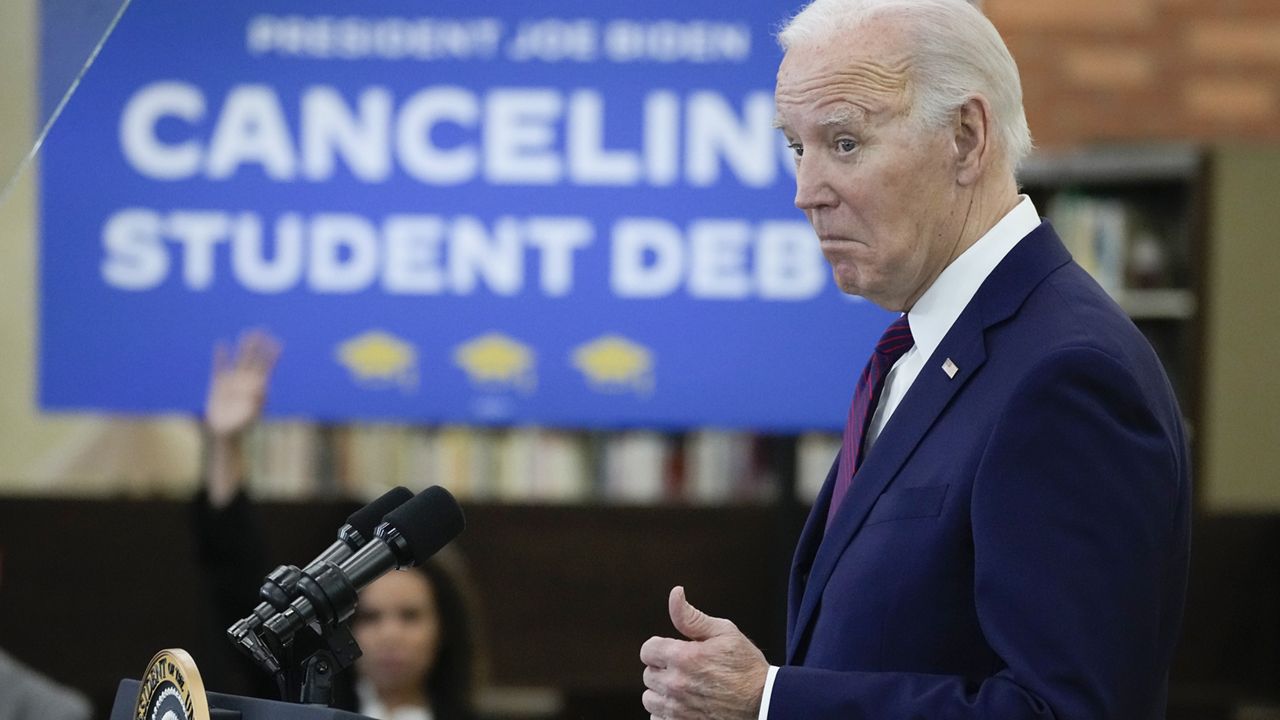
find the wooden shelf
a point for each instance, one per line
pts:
(1158, 304)
(1111, 166)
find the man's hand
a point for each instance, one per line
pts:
(718, 674)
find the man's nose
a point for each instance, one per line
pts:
(813, 191)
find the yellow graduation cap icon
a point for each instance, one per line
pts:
(495, 359)
(378, 357)
(612, 363)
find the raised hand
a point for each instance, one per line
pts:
(237, 391)
(238, 385)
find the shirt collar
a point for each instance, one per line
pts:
(372, 707)
(937, 309)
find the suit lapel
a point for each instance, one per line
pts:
(807, 546)
(933, 390)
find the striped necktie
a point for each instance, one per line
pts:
(895, 341)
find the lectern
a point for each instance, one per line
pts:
(171, 689)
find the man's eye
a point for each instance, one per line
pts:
(846, 145)
(796, 148)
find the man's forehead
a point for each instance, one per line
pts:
(840, 87)
(871, 55)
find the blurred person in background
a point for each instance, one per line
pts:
(27, 695)
(414, 626)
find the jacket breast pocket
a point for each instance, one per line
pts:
(908, 503)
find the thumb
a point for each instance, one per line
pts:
(692, 622)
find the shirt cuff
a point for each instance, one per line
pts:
(768, 692)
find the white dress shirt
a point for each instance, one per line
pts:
(937, 309)
(371, 706)
(931, 318)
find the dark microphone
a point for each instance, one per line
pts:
(281, 586)
(411, 533)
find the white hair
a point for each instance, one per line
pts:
(955, 53)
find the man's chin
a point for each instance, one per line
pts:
(850, 286)
(870, 296)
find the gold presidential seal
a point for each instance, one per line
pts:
(171, 689)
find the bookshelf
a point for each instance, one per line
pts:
(291, 460)
(1134, 216)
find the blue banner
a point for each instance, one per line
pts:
(563, 213)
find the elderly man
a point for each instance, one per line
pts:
(1005, 532)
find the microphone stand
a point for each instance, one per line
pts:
(315, 652)
(316, 656)
(328, 653)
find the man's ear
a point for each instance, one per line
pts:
(973, 138)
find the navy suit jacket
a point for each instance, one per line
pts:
(1015, 544)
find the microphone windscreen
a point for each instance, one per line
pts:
(428, 522)
(368, 518)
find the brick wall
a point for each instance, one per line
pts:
(1133, 70)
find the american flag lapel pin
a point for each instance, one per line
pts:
(950, 368)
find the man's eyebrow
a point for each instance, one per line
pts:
(842, 116)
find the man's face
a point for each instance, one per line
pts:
(879, 191)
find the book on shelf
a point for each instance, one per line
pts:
(563, 472)
(721, 467)
(1096, 232)
(281, 459)
(465, 462)
(635, 467)
(1112, 239)
(815, 452)
(541, 465)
